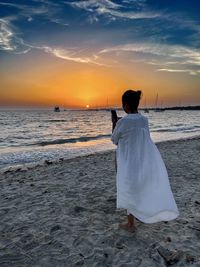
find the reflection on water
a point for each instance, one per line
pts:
(32, 136)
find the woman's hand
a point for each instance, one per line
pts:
(114, 118)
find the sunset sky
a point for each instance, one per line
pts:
(78, 53)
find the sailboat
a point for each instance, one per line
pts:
(107, 106)
(146, 110)
(157, 109)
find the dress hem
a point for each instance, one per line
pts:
(162, 216)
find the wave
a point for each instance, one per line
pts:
(179, 129)
(177, 124)
(72, 140)
(61, 120)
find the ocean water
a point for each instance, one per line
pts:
(33, 136)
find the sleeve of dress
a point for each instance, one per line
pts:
(117, 133)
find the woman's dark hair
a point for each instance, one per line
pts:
(132, 99)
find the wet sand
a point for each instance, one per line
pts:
(64, 214)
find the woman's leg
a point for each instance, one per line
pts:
(130, 225)
(131, 220)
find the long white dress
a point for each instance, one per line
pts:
(142, 181)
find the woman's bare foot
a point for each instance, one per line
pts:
(128, 227)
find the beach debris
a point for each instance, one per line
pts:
(190, 258)
(119, 246)
(170, 257)
(111, 199)
(55, 228)
(182, 221)
(79, 209)
(195, 226)
(168, 239)
(7, 171)
(24, 169)
(82, 173)
(79, 263)
(18, 170)
(48, 162)
(153, 245)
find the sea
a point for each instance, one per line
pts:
(31, 137)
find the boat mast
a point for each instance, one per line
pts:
(156, 103)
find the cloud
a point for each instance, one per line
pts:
(190, 71)
(182, 58)
(27, 10)
(44, 9)
(182, 53)
(5, 36)
(113, 10)
(90, 5)
(59, 21)
(70, 55)
(9, 41)
(155, 52)
(162, 62)
(182, 21)
(161, 55)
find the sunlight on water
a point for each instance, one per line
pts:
(33, 136)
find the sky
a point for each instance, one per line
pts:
(76, 53)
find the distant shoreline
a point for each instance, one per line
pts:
(3, 108)
(164, 108)
(177, 108)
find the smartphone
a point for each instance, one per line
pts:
(114, 115)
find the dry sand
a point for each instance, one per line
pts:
(64, 214)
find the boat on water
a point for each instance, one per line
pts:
(158, 109)
(146, 110)
(56, 109)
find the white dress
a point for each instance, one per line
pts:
(142, 181)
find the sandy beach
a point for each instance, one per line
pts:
(64, 214)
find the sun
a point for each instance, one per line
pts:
(87, 106)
